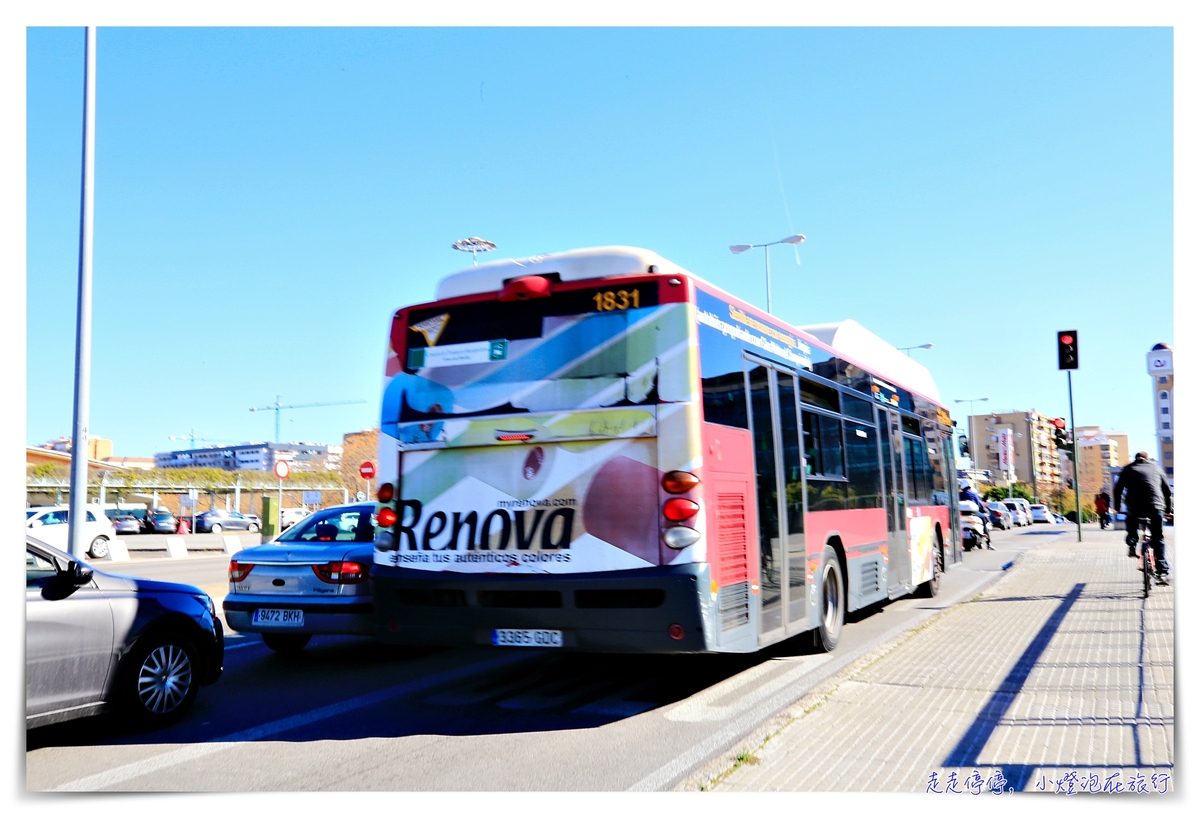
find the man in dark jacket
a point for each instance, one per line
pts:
(1147, 495)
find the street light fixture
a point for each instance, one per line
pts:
(474, 245)
(970, 411)
(905, 350)
(741, 248)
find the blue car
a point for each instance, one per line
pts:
(96, 641)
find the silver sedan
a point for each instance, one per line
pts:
(314, 578)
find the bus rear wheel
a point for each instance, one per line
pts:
(832, 596)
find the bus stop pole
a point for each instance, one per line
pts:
(83, 319)
(1074, 458)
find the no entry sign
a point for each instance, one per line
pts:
(366, 470)
(282, 469)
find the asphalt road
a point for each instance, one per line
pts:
(350, 714)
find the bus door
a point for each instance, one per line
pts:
(779, 486)
(895, 483)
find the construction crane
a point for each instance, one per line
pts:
(277, 407)
(193, 438)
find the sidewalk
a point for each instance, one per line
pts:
(1058, 678)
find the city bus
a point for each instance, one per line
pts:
(599, 450)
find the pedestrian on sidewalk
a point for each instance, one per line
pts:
(1102, 509)
(1147, 497)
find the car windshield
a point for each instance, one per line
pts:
(29, 514)
(334, 525)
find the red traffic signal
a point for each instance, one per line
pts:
(1068, 349)
(1059, 423)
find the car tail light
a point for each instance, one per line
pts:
(386, 492)
(677, 482)
(341, 573)
(386, 517)
(238, 571)
(678, 509)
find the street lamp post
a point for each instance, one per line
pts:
(970, 411)
(905, 350)
(474, 245)
(741, 248)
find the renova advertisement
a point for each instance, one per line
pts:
(539, 454)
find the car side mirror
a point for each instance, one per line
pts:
(77, 574)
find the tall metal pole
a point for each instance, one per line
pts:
(768, 249)
(1074, 458)
(83, 319)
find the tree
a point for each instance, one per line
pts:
(1002, 492)
(358, 447)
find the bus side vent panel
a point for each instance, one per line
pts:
(869, 582)
(733, 603)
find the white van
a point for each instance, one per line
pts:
(49, 524)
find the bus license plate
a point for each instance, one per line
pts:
(287, 617)
(527, 638)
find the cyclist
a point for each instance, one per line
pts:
(1147, 496)
(965, 492)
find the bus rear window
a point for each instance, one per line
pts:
(585, 348)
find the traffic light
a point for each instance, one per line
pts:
(1060, 434)
(1068, 349)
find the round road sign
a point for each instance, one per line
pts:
(366, 470)
(282, 469)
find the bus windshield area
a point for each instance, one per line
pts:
(528, 356)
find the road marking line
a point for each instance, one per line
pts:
(126, 772)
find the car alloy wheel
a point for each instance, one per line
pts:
(215, 528)
(99, 548)
(252, 528)
(161, 679)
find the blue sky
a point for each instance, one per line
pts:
(265, 198)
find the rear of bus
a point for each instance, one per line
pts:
(538, 450)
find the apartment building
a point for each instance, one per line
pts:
(1017, 446)
(1160, 367)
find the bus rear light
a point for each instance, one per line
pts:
(676, 631)
(386, 492)
(678, 509)
(338, 572)
(238, 571)
(519, 437)
(526, 287)
(386, 517)
(677, 482)
(678, 537)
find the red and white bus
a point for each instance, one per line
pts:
(600, 450)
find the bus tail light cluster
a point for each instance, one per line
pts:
(386, 517)
(338, 572)
(238, 571)
(680, 509)
(678, 482)
(679, 536)
(386, 492)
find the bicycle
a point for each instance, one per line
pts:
(1147, 565)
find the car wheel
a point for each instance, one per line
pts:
(99, 548)
(252, 528)
(286, 643)
(215, 528)
(161, 679)
(832, 597)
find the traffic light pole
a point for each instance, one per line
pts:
(1074, 458)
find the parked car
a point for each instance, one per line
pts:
(219, 520)
(313, 578)
(162, 522)
(288, 517)
(49, 524)
(1020, 515)
(126, 524)
(1041, 514)
(95, 641)
(1002, 518)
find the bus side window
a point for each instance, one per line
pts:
(823, 445)
(862, 466)
(725, 400)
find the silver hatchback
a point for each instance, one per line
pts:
(313, 579)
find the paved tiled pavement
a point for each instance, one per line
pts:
(1057, 676)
